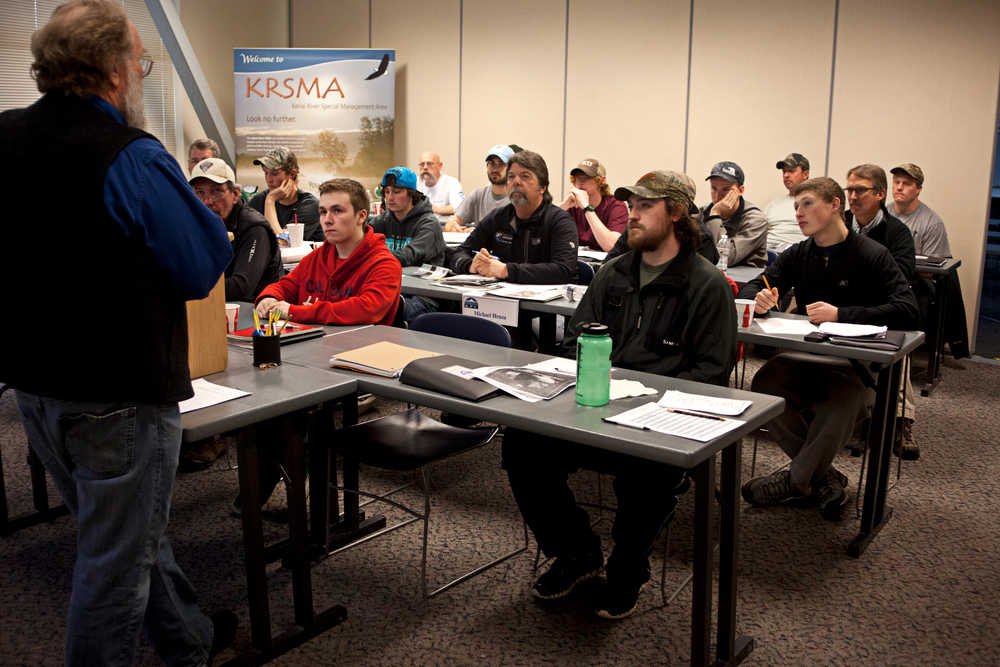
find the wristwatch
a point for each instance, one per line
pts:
(590, 207)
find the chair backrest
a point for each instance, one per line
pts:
(399, 320)
(771, 256)
(465, 327)
(585, 272)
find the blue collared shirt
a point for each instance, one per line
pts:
(146, 193)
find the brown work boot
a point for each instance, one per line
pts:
(201, 455)
(905, 446)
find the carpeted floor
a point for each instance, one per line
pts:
(925, 592)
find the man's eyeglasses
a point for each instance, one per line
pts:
(146, 62)
(857, 191)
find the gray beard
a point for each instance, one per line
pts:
(133, 106)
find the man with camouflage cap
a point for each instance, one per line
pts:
(709, 233)
(744, 223)
(782, 227)
(929, 235)
(689, 331)
(283, 202)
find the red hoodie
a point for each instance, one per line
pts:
(362, 289)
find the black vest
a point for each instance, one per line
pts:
(90, 316)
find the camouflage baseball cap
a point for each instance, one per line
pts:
(793, 160)
(590, 167)
(279, 158)
(729, 171)
(659, 184)
(911, 170)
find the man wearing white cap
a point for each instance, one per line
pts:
(483, 201)
(257, 259)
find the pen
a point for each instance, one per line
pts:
(256, 321)
(695, 414)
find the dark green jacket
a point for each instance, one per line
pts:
(683, 324)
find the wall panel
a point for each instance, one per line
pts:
(427, 63)
(917, 82)
(760, 89)
(512, 81)
(330, 25)
(626, 88)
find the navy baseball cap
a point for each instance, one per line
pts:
(400, 177)
(727, 170)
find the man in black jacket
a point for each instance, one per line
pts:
(412, 231)
(256, 256)
(531, 240)
(838, 276)
(669, 312)
(866, 191)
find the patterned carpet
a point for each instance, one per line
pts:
(925, 592)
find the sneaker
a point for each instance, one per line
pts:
(202, 454)
(224, 624)
(565, 573)
(617, 602)
(830, 494)
(770, 490)
(905, 446)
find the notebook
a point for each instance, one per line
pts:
(385, 359)
(290, 334)
(443, 375)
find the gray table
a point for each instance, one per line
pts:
(743, 274)
(278, 399)
(562, 418)
(938, 311)
(888, 369)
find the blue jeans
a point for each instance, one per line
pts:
(414, 307)
(114, 465)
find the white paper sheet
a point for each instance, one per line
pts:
(592, 254)
(851, 330)
(780, 325)
(699, 403)
(206, 394)
(652, 417)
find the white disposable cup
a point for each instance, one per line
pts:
(744, 312)
(295, 232)
(232, 316)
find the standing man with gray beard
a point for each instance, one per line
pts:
(103, 417)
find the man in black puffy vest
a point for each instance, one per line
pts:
(100, 409)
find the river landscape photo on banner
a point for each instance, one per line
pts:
(334, 108)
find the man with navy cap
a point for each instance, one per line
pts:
(743, 222)
(483, 201)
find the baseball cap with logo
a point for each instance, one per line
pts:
(278, 158)
(727, 170)
(793, 160)
(590, 167)
(911, 170)
(659, 184)
(214, 169)
(502, 151)
(400, 177)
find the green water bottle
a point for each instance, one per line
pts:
(593, 365)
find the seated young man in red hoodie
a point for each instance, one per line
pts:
(353, 278)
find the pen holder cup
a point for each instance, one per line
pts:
(266, 351)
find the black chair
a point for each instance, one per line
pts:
(585, 272)
(411, 441)
(399, 321)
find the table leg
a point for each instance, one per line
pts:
(730, 650)
(701, 594)
(322, 504)
(547, 333)
(881, 434)
(296, 556)
(935, 338)
(253, 540)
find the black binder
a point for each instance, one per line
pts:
(427, 374)
(892, 341)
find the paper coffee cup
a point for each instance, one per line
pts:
(744, 312)
(295, 233)
(232, 316)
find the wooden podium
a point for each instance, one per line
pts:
(206, 320)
